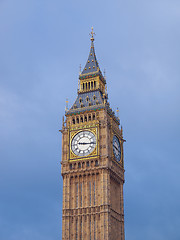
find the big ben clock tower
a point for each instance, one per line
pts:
(92, 162)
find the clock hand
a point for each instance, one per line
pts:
(86, 143)
(83, 143)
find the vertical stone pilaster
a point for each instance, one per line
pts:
(79, 227)
(83, 228)
(63, 227)
(87, 228)
(74, 228)
(64, 208)
(67, 207)
(83, 195)
(86, 189)
(96, 193)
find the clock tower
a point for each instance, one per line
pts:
(92, 162)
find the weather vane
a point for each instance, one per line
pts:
(92, 33)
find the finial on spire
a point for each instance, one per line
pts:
(66, 108)
(121, 130)
(63, 122)
(92, 33)
(117, 111)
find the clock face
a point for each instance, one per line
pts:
(83, 143)
(116, 148)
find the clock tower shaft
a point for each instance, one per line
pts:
(92, 162)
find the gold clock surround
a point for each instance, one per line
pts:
(72, 156)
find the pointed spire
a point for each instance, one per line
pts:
(91, 64)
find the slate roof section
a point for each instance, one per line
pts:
(95, 99)
(87, 100)
(92, 63)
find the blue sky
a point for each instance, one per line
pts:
(42, 44)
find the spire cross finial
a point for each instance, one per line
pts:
(92, 33)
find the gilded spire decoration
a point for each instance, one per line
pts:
(92, 33)
(66, 108)
(117, 112)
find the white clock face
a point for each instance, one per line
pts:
(83, 143)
